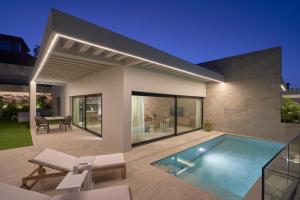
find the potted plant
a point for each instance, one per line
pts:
(208, 126)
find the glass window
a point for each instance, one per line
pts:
(16, 47)
(156, 115)
(5, 46)
(87, 113)
(79, 111)
(189, 114)
(152, 118)
(93, 114)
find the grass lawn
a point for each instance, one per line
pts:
(14, 135)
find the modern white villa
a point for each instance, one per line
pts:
(122, 90)
(145, 110)
(130, 93)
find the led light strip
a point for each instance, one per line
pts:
(109, 49)
(46, 56)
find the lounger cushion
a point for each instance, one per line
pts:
(109, 160)
(9, 192)
(55, 160)
(112, 193)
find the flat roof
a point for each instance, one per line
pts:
(63, 26)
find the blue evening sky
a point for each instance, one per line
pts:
(196, 31)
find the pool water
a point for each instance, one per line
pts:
(227, 166)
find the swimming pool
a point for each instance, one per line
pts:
(227, 166)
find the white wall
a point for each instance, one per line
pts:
(58, 91)
(116, 85)
(150, 81)
(109, 83)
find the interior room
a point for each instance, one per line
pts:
(156, 116)
(87, 113)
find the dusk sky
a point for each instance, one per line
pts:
(196, 31)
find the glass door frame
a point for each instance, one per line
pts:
(202, 121)
(83, 112)
(147, 94)
(150, 94)
(85, 97)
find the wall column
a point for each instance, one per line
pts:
(32, 105)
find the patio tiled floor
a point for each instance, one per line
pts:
(146, 182)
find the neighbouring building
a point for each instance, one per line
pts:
(16, 67)
(16, 64)
(130, 93)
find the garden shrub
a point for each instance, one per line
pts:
(290, 111)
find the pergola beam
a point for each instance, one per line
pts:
(60, 60)
(110, 54)
(72, 54)
(83, 48)
(121, 57)
(98, 52)
(132, 62)
(68, 44)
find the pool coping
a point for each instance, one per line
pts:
(145, 161)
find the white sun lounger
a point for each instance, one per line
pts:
(122, 192)
(64, 163)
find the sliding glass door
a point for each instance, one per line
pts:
(189, 114)
(158, 115)
(151, 118)
(87, 112)
(93, 114)
(79, 111)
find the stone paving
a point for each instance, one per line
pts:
(146, 181)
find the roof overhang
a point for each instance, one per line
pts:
(72, 48)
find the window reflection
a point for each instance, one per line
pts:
(151, 117)
(157, 116)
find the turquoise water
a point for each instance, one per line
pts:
(227, 166)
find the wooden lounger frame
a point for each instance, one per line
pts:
(41, 173)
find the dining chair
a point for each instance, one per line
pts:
(41, 123)
(67, 122)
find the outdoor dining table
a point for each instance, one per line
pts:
(54, 118)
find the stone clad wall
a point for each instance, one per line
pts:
(249, 102)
